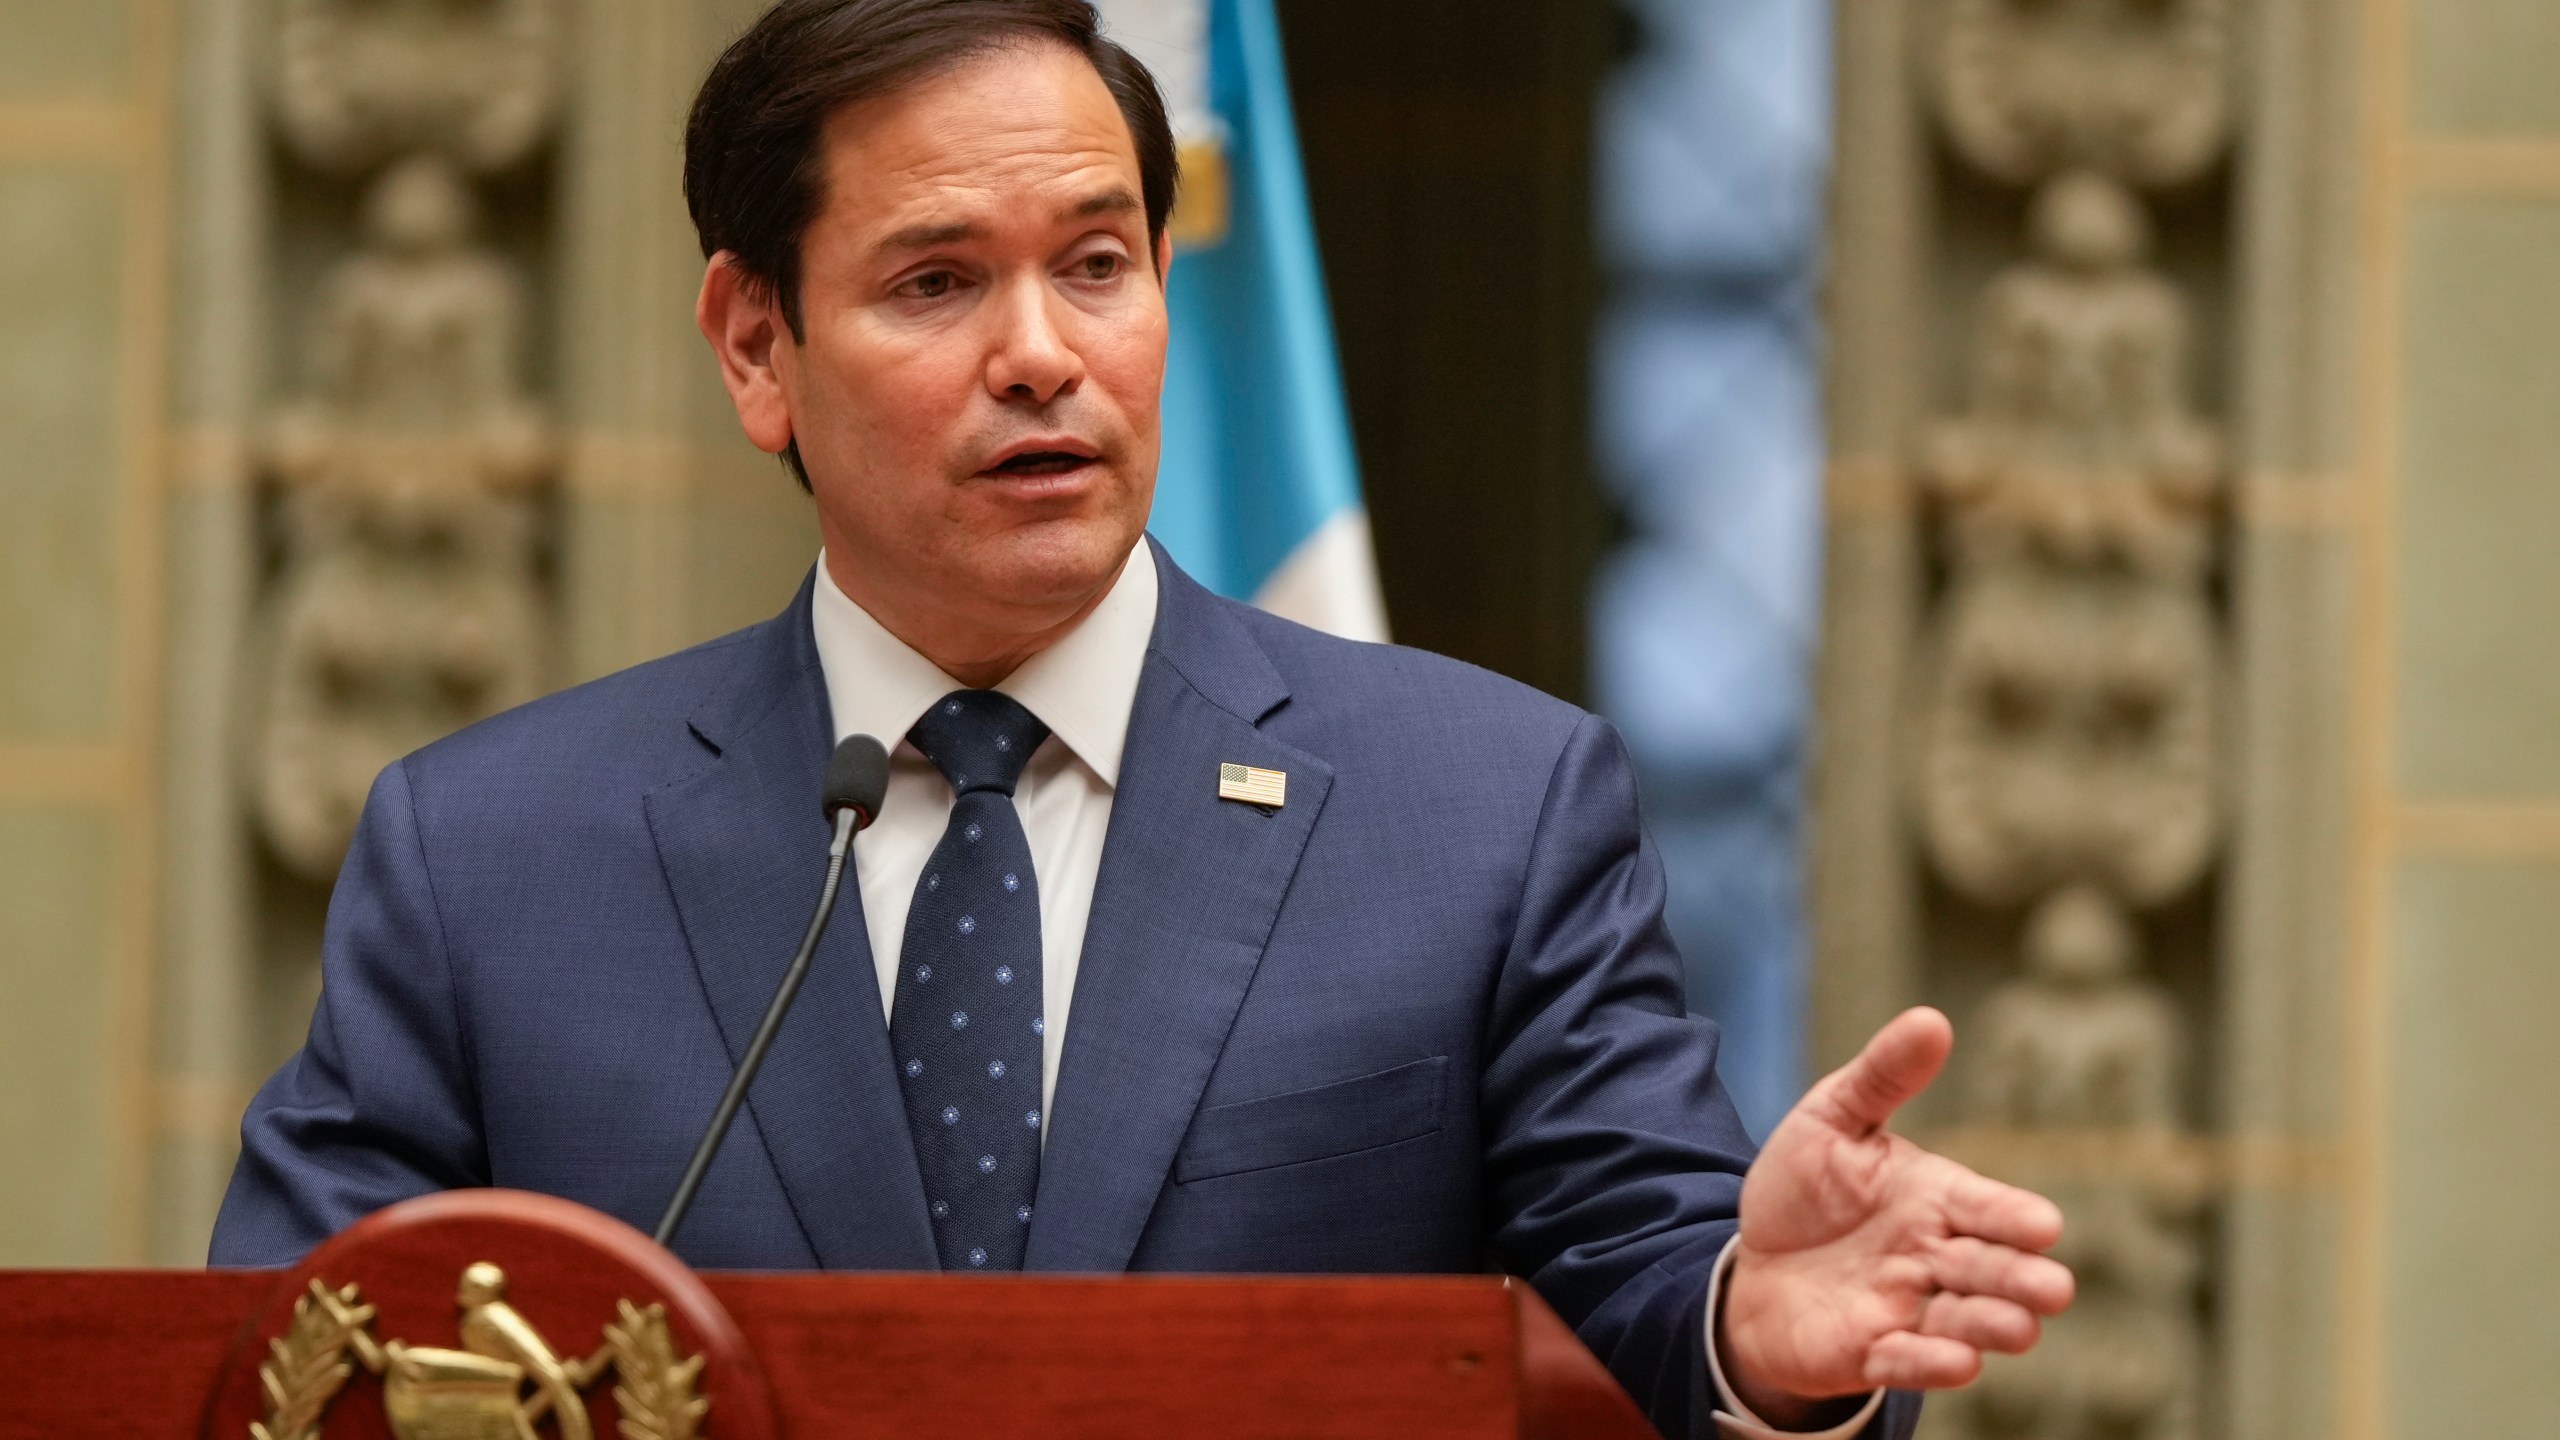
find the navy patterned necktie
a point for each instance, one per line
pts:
(965, 1019)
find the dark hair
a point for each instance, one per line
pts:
(754, 154)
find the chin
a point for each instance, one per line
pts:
(1055, 562)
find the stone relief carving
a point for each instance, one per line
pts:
(2067, 735)
(2079, 448)
(2067, 753)
(2081, 1043)
(2139, 89)
(2069, 730)
(359, 82)
(409, 474)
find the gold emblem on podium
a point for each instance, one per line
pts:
(501, 1385)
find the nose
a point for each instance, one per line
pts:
(1031, 358)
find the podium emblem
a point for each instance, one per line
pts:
(504, 1383)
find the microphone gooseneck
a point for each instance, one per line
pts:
(857, 780)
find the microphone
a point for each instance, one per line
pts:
(857, 779)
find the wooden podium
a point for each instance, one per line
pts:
(490, 1313)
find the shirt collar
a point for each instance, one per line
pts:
(1082, 687)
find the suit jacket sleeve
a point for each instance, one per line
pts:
(1613, 1157)
(378, 1105)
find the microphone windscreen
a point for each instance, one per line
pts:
(857, 778)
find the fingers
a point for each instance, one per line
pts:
(1905, 1360)
(1946, 1349)
(1969, 1267)
(2002, 1214)
(1897, 1064)
(1981, 1322)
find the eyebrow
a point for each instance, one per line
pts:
(925, 237)
(1115, 201)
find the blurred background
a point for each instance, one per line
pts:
(2059, 495)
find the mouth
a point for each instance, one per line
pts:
(1037, 459)
(1041, 462)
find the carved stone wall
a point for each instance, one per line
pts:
(409, 471)
(2068, 758)
(447, 439)
(2036, 825)
(2082, 708)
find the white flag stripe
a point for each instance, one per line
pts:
(1330, 582)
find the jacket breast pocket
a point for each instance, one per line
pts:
(1341, 1118)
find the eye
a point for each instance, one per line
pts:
(1101, 265)
(931, 285)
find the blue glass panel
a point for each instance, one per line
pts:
(1713, 146)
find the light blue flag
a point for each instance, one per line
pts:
(1258, 494)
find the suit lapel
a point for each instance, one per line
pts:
(743, 846)
(1188, 892)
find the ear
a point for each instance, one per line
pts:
(755, 348)
(1164, 256)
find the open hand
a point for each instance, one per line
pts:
(1865, 1260)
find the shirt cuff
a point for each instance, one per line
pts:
(1734, 1419)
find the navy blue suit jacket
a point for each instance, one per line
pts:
(1424, 1017)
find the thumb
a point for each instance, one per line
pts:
(1859, 1097)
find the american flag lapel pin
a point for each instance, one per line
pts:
(1268, 788)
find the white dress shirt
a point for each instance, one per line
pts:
(1083, 688)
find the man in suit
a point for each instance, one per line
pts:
(1407, 1005)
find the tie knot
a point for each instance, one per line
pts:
(978, 739)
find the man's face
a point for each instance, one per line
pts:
(976, 395)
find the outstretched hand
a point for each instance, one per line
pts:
(1865, 1260)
